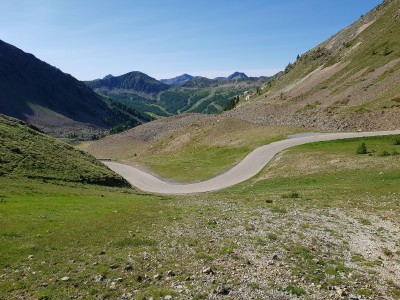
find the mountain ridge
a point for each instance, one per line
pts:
(185, 93)
(136, 81)
(57, 103)
(178, 80)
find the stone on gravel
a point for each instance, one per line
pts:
(208, 271)
(65, 278)
(221, 290)
(128, 268)
(315, 261)
(99, 278)
(340, 292)
(126, 296)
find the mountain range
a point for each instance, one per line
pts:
(167, 97)
(57, 103)
(349, 82)
(42, 95)
(182, 79)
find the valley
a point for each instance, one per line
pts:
(250, 166)
(183, 94)
(272, 187)
(323, 225)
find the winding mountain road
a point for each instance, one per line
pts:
(247, 168)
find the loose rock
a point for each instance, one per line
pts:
(208, 270)
(128, 268)
(221, 290)
(99, 278)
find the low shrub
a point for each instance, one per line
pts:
(362, 149)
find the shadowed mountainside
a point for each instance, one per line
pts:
(55, 102)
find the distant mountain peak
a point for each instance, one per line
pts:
(134, 81)
(109, 76)
(179, 80)
(238, 75)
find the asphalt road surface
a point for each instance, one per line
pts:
(247, 168)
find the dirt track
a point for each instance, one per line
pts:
(247, 168)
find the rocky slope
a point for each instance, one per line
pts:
(349, 82)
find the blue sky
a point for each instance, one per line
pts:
(166, 38)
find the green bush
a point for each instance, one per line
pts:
(396, 142)
(291, 195)
(362, 149)
(384, 153)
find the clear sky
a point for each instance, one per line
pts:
(165, 38)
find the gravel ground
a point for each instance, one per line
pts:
(274, 253)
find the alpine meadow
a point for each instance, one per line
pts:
(231, 183)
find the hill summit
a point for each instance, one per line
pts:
(135, 81)
(179, 80)
(238, 75)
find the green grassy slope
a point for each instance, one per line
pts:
(178, 100)
(347, 82)
(318, 217)
(26, 153)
